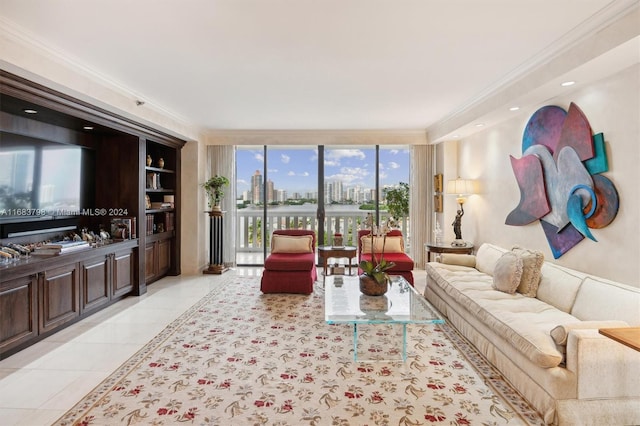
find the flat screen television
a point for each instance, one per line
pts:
(42, 182)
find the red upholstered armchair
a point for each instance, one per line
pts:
(394, 252)
(291, 266)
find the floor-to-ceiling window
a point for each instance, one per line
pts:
(328, 189)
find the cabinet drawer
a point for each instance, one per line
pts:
(122, 275)
(18, 312)
(59, 297)
(95, 283)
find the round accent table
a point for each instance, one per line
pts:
(446, 248)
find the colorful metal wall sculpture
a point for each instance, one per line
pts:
(560, 178)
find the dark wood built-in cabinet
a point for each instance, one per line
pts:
(40, 295)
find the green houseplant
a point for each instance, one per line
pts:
(397, 200)
(215, 190)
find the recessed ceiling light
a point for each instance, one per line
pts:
(480, 125)
(88, 127)
(568, 83)
(514, 108)
(29, 111)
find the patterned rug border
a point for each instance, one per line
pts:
(490, 376)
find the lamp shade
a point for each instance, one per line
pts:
(460, 187)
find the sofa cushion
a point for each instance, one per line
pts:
(391, 244)
(532, 261)
(523, 322)
(291, 244)
(487, 256)
(559, 286)
(507, 273)
(622, 301)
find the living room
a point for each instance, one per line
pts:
(474, 142)
(456, 154)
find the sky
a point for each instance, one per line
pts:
(296, 170)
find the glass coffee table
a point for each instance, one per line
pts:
(402, 304)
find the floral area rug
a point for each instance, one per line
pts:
(239, 357)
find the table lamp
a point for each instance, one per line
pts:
(461, 188)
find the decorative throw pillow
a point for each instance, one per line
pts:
(532, 261)
(507, 273)
(291, 243)
(392, 244)
(458, 259)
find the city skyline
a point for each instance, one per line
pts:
(295, 170)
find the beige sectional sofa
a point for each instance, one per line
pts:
(548, 346)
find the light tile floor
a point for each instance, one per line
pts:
(42, 382)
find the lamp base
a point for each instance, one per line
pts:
(459, 243)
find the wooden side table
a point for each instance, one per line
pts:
(327, 252)
(447, 248)
(629, 336)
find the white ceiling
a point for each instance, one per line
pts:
(316, 64)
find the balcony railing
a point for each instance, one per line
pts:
(347, 222)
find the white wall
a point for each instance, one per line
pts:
(612, 107)
(194, 242)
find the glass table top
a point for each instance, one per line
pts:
(401, 304)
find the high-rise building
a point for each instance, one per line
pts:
(271, 196)
(256, 187)
(337, 195)
(281, 195)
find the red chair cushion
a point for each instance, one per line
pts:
(290, 262)
(402, 261)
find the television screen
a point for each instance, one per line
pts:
(39, 178)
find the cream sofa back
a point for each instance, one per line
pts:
(600, 299)
(559, 286)
(584, 296)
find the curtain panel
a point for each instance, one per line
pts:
(221, 161)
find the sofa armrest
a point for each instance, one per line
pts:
(603, 367)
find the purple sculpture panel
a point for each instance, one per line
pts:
(559, 178)
(544, 128)
(576, 133)
(533, 197)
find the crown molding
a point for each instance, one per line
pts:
(29, 57)
(611, 27)
(316, 137)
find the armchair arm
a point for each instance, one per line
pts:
(604, 368)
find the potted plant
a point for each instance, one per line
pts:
(374, 280)
(215, 190)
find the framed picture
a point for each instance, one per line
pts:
(437, 182)
(437, 203)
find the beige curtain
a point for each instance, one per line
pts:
(221, 161)
(421, 201)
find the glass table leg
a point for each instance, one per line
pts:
(404, 342)
(355, 342)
